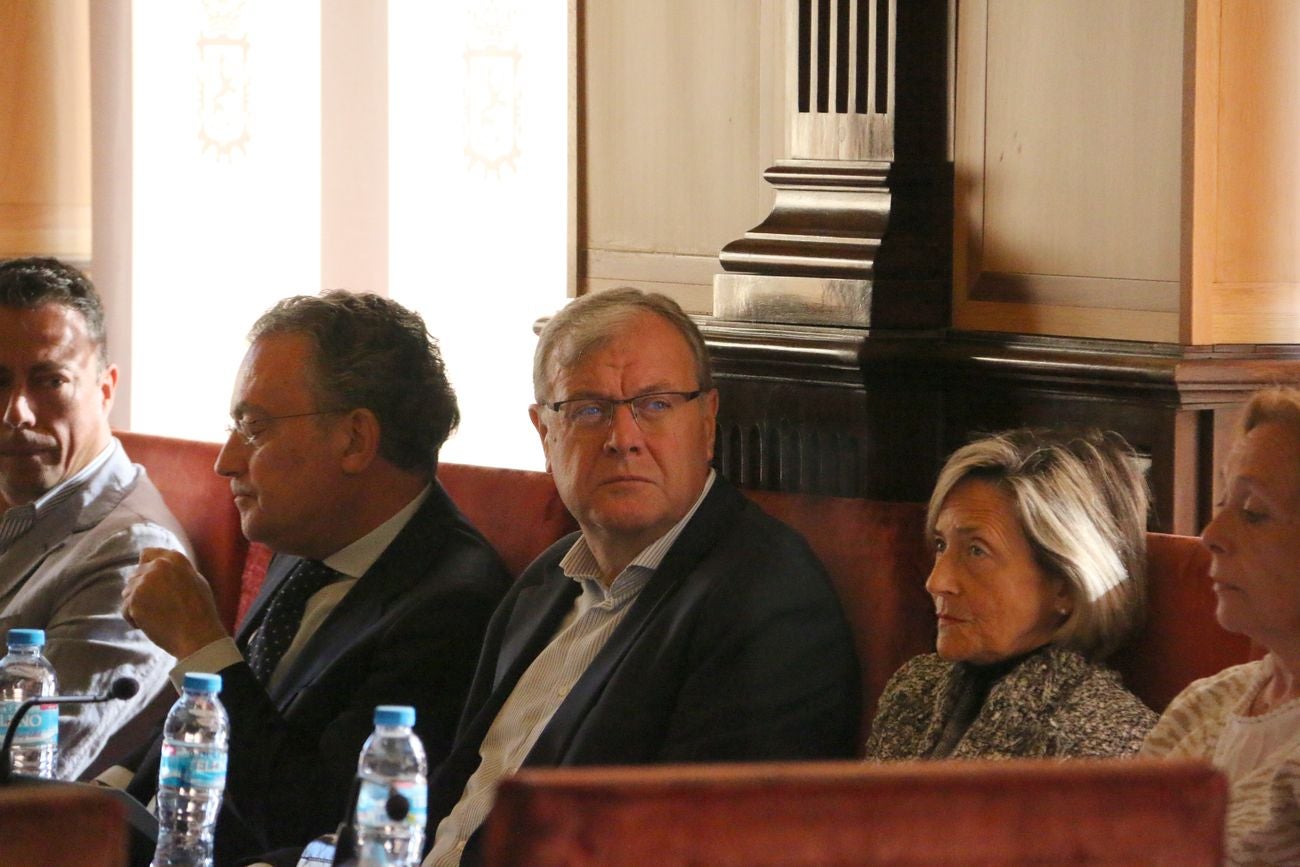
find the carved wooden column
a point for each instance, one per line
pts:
(860, 230)
(1121, 233)
(857, 245)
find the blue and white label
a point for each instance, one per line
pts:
(184, 766)
(372, 803)
(39, 726)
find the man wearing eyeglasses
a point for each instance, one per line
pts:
(380, 590)
(681, 624)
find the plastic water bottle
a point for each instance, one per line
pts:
(392, 762)
(192, 775)
(25, 673)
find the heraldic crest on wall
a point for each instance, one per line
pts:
(492, 91)
(223, 52)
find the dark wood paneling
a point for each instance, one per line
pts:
(857, 412)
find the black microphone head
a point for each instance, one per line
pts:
(397, 806)
(124, 687)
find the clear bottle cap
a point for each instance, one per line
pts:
(26, 638)
(394, 715)
(202, 682)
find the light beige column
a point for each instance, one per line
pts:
(45, 129)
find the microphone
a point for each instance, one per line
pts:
(119, 689)
(345, 838)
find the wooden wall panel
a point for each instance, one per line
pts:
(1247, 258)
(45, 129)
(1069, 187)
(682, 113)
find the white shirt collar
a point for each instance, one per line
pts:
(356, 559)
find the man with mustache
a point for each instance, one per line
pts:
(76, 513)
(379, 591)
(682, 624)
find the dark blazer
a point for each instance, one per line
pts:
(735, 650)
(408, 632)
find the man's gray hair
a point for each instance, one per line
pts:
(373, 353)
(1082, 503)
(589, 321)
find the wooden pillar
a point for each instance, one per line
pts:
(45, 129)
(858, 234)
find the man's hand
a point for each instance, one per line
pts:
(171, 603)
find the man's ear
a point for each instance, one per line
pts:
(108, 387)
(361, 429)
(709, 401)
(535, 416)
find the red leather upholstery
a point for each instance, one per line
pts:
(259, 557)
(1181, 640)
(878, 560)
(1118, 811)
(201, 501)
(875, 552)
(519, 511)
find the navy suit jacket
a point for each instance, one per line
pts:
(408, 632)
(736, 650)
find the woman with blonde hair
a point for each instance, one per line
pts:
(1246, 719)
(1039, 574)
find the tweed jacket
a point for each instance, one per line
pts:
(65, 575)
(1263, 822)
(1053, 703)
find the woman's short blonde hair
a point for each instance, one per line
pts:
(1279, 404)
(1082, 503)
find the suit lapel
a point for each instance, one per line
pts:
(664, 588)
(97, 497)
(537, 613)
(398, 568)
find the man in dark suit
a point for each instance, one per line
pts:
(379, 591)
(681, 624)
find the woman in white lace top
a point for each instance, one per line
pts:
(1246, 719)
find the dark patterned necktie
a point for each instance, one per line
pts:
(284, 615)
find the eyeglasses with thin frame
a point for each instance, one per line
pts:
(249, 428)
(595, 413)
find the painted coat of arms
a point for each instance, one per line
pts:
(492, 90)
(223, 50)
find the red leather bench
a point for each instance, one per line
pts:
(875, 552)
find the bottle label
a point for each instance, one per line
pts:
(372, 803)
(39, 726)
(185, 766)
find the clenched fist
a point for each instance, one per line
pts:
(171, 603)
